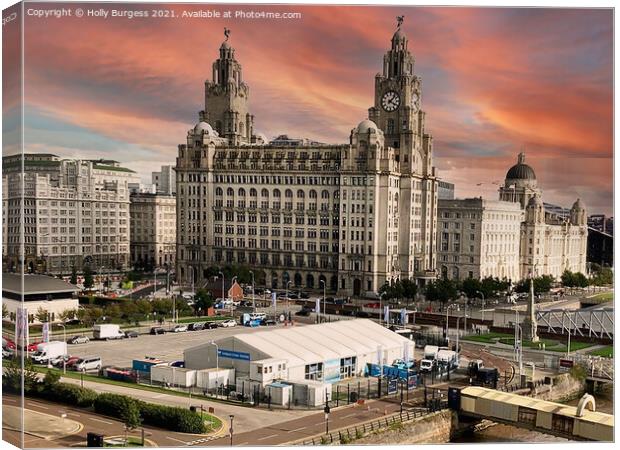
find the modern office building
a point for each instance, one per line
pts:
(351, 216)
(74, 212)
(445, 191)
(153, 230)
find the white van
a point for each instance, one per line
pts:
(258, 316)
(88, 363)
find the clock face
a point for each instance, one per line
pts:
(390, 101)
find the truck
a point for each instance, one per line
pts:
(49, 350)
(448, 358)
(429, 360)
(430, 351)
(107, 331)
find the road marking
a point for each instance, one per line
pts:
(73, 414)
(298, 429)
(349, 415)
(177, 440)
(266, 437)
(39, 405)
(103, 421)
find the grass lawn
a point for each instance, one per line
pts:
(550, 345)
(605, 296)
(607, 351)
(489, 338)
(132, 441)
(143, 387)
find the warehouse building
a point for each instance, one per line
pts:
(311, 357)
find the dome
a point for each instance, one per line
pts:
(399, 36)
(204, 126)
(535, 201)
(225, 45)
(366, 125)
(579, 205)
(520, 171)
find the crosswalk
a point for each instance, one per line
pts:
(202, 440)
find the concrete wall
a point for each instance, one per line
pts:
(432, 429)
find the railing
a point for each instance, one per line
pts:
(357, 431)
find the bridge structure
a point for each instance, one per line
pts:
(589, 322)
(580, 423)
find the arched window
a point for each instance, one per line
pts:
(264, 193)
(219, 191)
(325, 194)
(230, 192)
(253, 192)
(300, 193)
(312, 193)
(241, 129)
(288, 193)
(241, 192)
(390, 126)
(276, 193)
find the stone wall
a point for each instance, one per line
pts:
(564, 388)
(432, 429)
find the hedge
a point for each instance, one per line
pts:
(69, 394)
(172, 418)
(168, 417)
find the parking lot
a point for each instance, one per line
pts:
(168, 347)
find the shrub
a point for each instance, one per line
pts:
(172, 418)
(113, 404)
(70, 394)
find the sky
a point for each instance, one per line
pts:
(496, 81)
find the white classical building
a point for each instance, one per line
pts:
(153, 230)
(74, 211)
(514, 237)
(350, 216)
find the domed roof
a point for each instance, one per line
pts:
(399, 36)
(204, 126)
(520, 171)
(225, 45)
(367, 125)
(578, 204)
(535, 201)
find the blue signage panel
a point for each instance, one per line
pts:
(392, 386)
(331, 371)
(233, 355)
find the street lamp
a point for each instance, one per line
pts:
(231, 304)
(381, 307)
(323, 283)
(64, 337)
(482, 311)
(453, 305)
(232, 417)
(223, 282)
(253, 301)
(217, 365)
(458, 320)
(286, 295)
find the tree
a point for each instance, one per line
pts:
(542, 284)
(89, 282)
(67, 314)
(568, 278)
(601, 275)
(74, 278)
(203, 300)
(410, 289)
(14, 375)
(50, 380)
(5, 311)
(471, 286)
(580, 280)
(42, 314)
(441, 290)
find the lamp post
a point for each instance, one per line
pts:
(286, 295)
(253, 300)
(231, 303)
(381, 308)
(223, 282)
(64, 337)
(482, 311)
(217, 365)
(453, 305)
(520, 353)
(232, 417)
(458, 320)
(324, 315)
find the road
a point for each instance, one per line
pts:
(92, 423)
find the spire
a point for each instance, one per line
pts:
(521, 158)
(399, 40)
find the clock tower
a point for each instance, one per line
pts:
(397, 103)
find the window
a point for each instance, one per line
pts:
(314, 371)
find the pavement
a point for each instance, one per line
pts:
(38, 424)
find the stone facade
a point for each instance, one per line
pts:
(74, 211)
(514, 237)
(153, 230)
(479, 238)
(165, 180)
(352, 216)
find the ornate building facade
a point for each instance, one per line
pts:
(301, 213)
(514, 237)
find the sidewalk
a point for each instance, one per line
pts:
(44, 426)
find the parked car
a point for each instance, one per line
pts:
(303, 312)
(131, 334)
(362, 314)
(6, 353)
(32, 347)
(88, 363)
(158, 330)
(304, 295)
(179, 328)
(8, 344)
(227, 323)
(70, 362)
(196, 326)
(80, 339)
(211, 325)
(268, 322)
